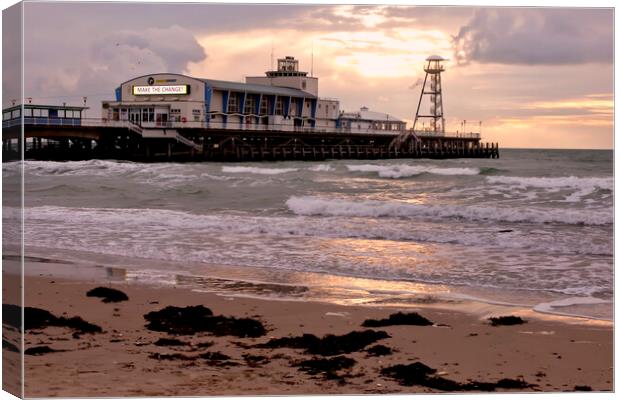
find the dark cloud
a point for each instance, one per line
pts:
(174, 47)
(94, 68)
(536, 36)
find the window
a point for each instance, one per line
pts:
(15, 113)
(36, 112)
(148, 114)
(6, 115)
(279, 107)
(250, 105)
(264, 106)
(27, 112)
(303, 84)
(61, 113)
(44, 112)
(233, 103)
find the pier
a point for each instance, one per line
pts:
(82, 139)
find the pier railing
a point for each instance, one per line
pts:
(233, 126)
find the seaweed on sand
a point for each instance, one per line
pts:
(507, 320)
(419, 374)
(328, 345)
(398, 318)
(37, 318)
(192, 319)
(108, 295)
(328, 367)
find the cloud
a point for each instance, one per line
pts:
(174, 47)
(541, 36)
(98, 66)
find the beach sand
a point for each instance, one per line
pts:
(554, 354)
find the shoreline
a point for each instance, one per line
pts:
(292, 285)
(462, 346)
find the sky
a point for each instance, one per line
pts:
(524, 77)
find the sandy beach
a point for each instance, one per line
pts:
(461, 349)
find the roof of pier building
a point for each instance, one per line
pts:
(364, 114)
(256, 88)
(238, 86)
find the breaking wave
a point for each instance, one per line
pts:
(321, 168)
(257, 170)
(571, 182)
(335, 207)
(151, 224)
(404, 171)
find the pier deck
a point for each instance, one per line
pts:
(91, 139)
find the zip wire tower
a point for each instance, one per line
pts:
(433, 69)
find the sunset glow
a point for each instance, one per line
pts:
(509, 68)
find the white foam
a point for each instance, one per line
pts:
(257, 170)
(336, 207)
(552, 307)
(404, 171)
(555, 182)
(321, 168)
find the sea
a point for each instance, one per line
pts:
(532, 229)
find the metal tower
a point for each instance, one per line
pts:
(434, 68)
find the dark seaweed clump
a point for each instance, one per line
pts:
(582, 388)
(108, 295)
(329, 367)
(193, 319)
(506, 320)
(37, 318)
(328, 345)
(398, 319)
(255, 360)
(6, 345)
(12, 315)
(170, 342)
(419, 374)
(379, 350)
(213, 357)
(39, 350)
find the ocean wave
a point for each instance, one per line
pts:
(336, 207)
(142, 220)
(571, 182)
(554, 306)
(81, 168)
(321, 168)
(404, 171)
(257, 170)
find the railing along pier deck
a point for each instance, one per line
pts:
(77, 139)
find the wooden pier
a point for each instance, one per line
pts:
(134, 143)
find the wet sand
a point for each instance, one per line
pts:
(549, 354)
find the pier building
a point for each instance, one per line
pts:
(283, 99)
(278, 116)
